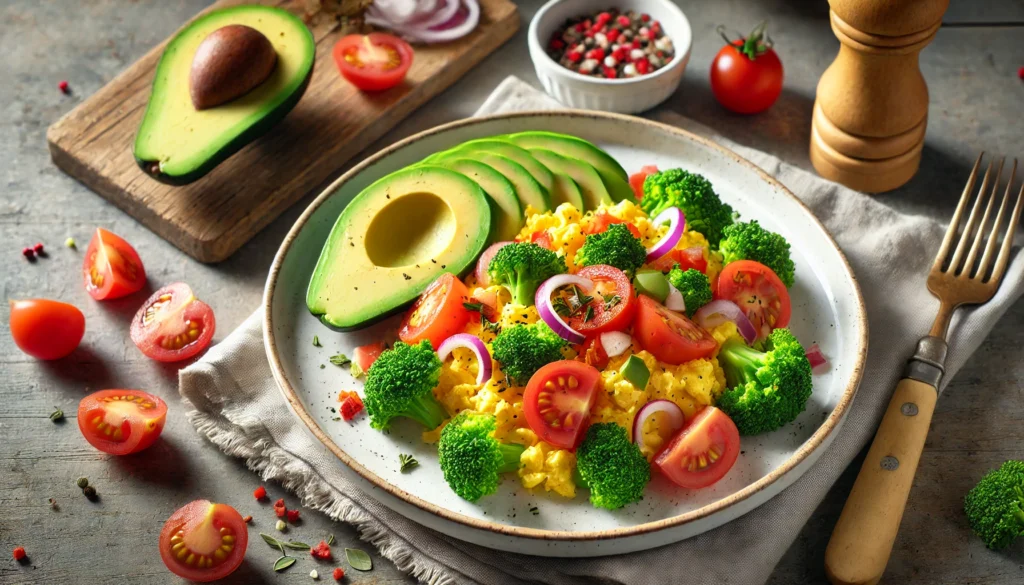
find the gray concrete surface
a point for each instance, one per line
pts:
(976, 104)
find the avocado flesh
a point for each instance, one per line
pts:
(510, 151)
(184, 143)
(589, 182)
(506, 213)
(528, 190)
(567, 191)
(395, 238)
(615, 179)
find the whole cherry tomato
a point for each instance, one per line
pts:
(45, 329)
(746, 75)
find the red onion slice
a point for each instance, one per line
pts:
(677, 224)
(482, 278)
(440, 33)
(675, 301)
(717, 312)
(616, 342)
(675, 418)
(547, 311)
(819, 363)
(395, 11)
(474, 344)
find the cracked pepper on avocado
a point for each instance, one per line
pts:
(608, 327)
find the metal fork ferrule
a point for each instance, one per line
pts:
(928, 363)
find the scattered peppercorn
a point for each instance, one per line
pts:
(247, 519)
(53, 504)
(38, 248)
(314, 574)
(83, 482)
(57, 415)
(70, 243)
(612, 44)
(338, 574)
(90, 492)
(321, 551)
(293, 516)
(19, 553)
(281, 526)
(64, 87)
(28, 253)
(260, 493)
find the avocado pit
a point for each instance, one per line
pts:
(229, 63)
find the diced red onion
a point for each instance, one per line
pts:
(464, 18)
(547, 311)
(474, 344)
(819, 363)
(675, 301)
(717, 312)
(676, 226)
(616, 342)
(482, 278)
(675, 416)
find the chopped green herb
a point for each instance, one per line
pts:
(330, 539)
(475, 307)
(589, 314)
(316, 341)
(284, 562)
(406, 462)
(57, 415)
(611, 302)
(359, 560)
(322, 366)
(340, 360)
(487, 324)
(561, 307)
(355, 370)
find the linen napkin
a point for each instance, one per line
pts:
(235, 403)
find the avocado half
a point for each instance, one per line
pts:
(395, 238)
(177, 144)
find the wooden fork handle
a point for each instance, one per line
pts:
(862, 539)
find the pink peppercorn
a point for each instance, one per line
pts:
(38, 248)
(19, 553)
(623, 20)
(339, 574)
(28, 253)
(63, 85)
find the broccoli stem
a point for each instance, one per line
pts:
(510, 455)
(524, 292)
(740, 362)
(577, 477)
(427, 411)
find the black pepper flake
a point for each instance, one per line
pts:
(406, 276)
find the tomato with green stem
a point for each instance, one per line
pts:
(203, 541)
(746, 74)
(45, 329)
(121, 422)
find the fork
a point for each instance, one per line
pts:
(864, 535)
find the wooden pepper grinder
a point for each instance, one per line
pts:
(872, 106)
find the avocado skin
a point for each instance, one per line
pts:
(252, 133)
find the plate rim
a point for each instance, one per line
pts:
(828, 426)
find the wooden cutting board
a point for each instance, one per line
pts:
(214, 216)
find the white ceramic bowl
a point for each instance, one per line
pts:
(625, 96)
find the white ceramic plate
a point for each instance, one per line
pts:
(827, 309)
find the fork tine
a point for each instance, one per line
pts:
(955, 222)
(994, 236)
(1004, 252)
(961, 247)
(980, 236)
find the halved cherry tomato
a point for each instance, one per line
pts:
(542, 239)
(604, 312)
(670, 336)
(557, 401)
(592, 352)
(636, 180)
(365, 355)
(438, 314)
(686, 258)
(488, 300)
(759, 293)
(111, 268)
(373, 62)
(203, 541)
(173, 325)
(121, 422)
(602, 220)
(703, 452)
(45, 329)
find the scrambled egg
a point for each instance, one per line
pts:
(691, 385)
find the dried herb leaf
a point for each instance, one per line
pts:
(359, 560)
(330, 540)
(340, 360)
(284, 562)
(355, 370)
(475, 307)
(406, 462)
(270, 540)
(296, 545)
(316, 341)
(57, 415)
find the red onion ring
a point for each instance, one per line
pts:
(616, 342)
(676, 227)
(670, 408)
(453, 28)
(484, 261)
(717, 312)
(675, 301)
(547, 311)
(474, 344)
(818, 360)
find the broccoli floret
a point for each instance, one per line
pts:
(522, 266)
(401, 383)
(611, 467)
(616, 246)
(995, 507)
(694, 286)
(705, 212)
(766, 389)
(524, 349)
(471, 458)
(750, 241)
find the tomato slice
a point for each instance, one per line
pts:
(592, 352)
(173, 325)
(365, 355)
(542, 239)
(702, 452)
(373, 62)
(111, 268)
(612, 305)
(602, 220)
(686, 258)
(45, 329)
(670, 336)
(438, 314)
(557, 402)
(759, 292)
(636, 180)
(203, 541)
(121, 422)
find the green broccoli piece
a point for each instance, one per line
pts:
(522, 267)
(766, 389)
(616, 246)
(611, 467)
(524, 349)
(705, 212)
(401, 383)
(750, 241)
(694, 285)
(471, 458)
(995, 507)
